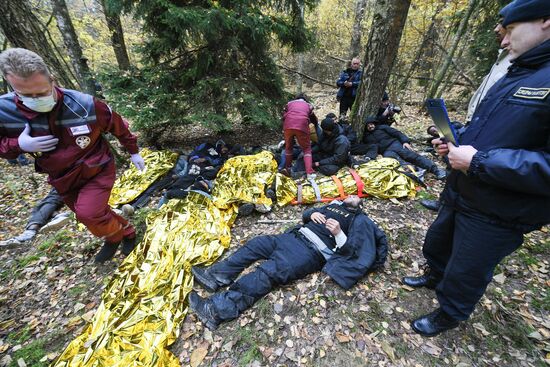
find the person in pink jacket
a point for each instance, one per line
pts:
(296, 119)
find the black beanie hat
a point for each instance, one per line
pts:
(328, 124)
(371, 120)
(385, 97)
(525, 11)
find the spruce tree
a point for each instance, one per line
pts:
(208, 61)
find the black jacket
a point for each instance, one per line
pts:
(383, 136)
(366, 250)
(334, 149)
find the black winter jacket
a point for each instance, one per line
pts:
(366, 250)
(334, 148)
(383, 136)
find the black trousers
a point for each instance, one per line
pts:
(287, 258)
(345, 104)
(406, 156)
(463, 249)
(43, 211)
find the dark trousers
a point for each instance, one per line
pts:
(406, 156)
(287, 258)
(346, 102)
(463, 249)
(43, 211)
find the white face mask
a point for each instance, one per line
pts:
(39, 104)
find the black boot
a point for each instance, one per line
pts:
(107, 252)
(204, 310)
(428, 280)
(434, 323)
(430, 204)
(208, 281)
(128, 245)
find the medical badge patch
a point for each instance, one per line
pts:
(83, 141)
(532, 93)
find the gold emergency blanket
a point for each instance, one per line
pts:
(133, 182)
(145, 303)
(382, 178)
(243, 179)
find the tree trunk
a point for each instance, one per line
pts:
(23, 29)
(355, 47)
(300, 60)
(433, 91)
(80, 63)
(381, 51)
(117, 36)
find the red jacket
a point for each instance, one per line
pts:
(297, 116)
(78, 121)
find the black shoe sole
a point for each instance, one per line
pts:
(203, 282)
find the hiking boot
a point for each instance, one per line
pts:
(430, 204)
(246, 209)
(56, 223)
(128, 245)
(107, 252)
(204, 309)
(205, 279)
(434, 323)
(428, 280)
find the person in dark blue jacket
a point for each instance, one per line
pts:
(348, 82)
(499, 188)
(339, 239)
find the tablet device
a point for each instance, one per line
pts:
(437, 110)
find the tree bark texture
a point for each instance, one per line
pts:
(23, 29)
(117, 37)
(381, 51)
(434, 87)
(356, 30)
(64, 23)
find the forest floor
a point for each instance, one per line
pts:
(50, 288)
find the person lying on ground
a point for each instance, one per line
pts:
(393, 143)
(338, 239)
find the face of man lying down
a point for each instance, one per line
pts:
(352, 201)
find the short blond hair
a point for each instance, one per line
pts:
(22, 63)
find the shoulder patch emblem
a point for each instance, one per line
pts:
(532, 93)
(83, 141)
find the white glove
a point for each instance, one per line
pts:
(138, 161)
(39, 144)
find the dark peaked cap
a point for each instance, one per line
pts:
(525, 11)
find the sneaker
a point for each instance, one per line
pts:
(204, 309)
(128, 245)
(10, 243)
(127, 210)
(27, 235)
(56, 223)
(311, 176)
(107, 252)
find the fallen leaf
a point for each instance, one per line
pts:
(197, 356)
(342, 338)
(388, 350)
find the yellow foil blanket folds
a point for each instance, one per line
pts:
(381, 178)
(133, 182)
(145, 303)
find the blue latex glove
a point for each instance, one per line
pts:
(39, 144)
(138, 161)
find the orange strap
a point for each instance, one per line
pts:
(340, 187)
(359, 183)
